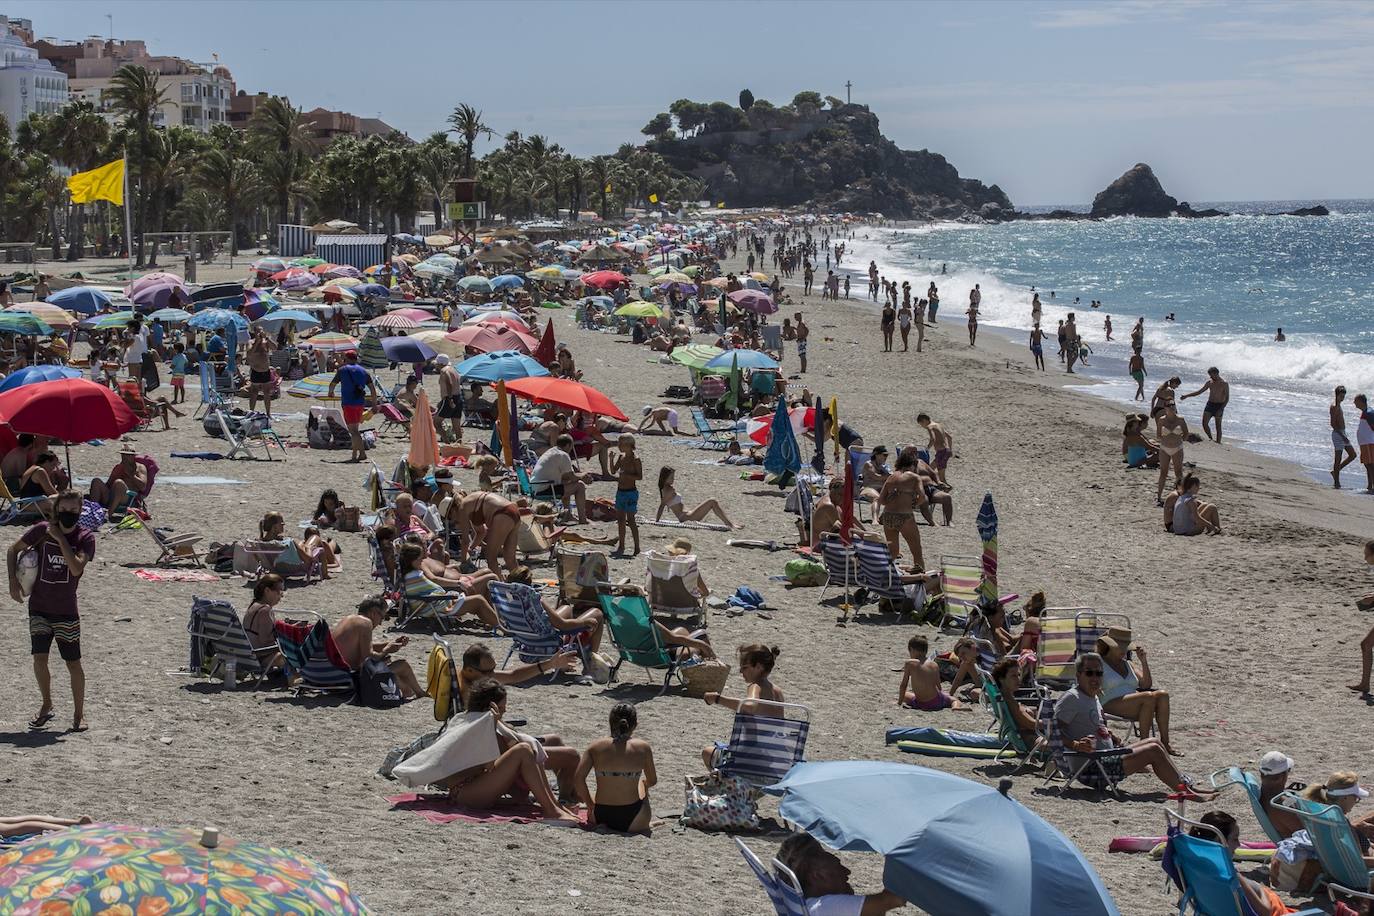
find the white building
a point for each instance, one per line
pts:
(28, 84)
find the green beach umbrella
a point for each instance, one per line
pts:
(695, 356)
(23, 323)
(640, 310)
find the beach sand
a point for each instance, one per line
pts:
(1253, 633)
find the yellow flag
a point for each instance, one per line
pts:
(653, 198)
(608, 187)
(721, 205)
(104, 183)
(834, 412)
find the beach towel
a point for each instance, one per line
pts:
(947, 742)
(673, 523)
(1247, 852)
(203, 456)
(437, 809)
(176, 575)
(469, 741)
(745, 598)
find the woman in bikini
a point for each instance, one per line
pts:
(760, 698)
(273, 528)
(516, 772)
(491, 519)
(669, 498)
(624, 767)
(439, 567)
(1172, 431)
(38, 481)
(1138, 451)
(258, 620)
(418, 586)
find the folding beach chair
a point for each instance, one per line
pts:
(421, 600)
(781, 885)
(310, 651)
(960, 577)
(1249, 782)
(1057, 648)
(878, 572)
(857, 459)
(578, 573)
(242, 431)
(674, 587)
(391, 588)
(630, 624)
(763, 748)
(522, 617)
(532, 539)
(132, 395)
(1060, 765)
(254, 558)
(217, 633)
(1090, 625)
(14, 508)
(999, 705)
(174, 548)
(1344, 871)
(392, 417)
(1204, 872)
(713, 436)
(841, 564)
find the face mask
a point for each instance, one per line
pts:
(68, 520)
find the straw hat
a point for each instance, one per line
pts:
(1117, 638)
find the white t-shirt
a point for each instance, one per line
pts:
(835, 905)
(1364, 433)
(136, 349)
(552, 466)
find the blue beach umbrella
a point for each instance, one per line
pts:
(506, 281)
(85, 299)
(783, 455)
(407, 350)
(503, 365)
(373, 290)
(952, 846)
(31, 374)
(274, 319)
(747, 359)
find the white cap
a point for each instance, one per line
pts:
(1274, 763)
(441, 360)
(1357, 790)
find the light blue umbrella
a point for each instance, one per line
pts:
(504, 365)
(475, 284)
(31, 374)
(783, 455)
(748, 359)
(273, 320)
(210, 319)
(170, 316)
(85, 299)
(506, 281)
(953, 847)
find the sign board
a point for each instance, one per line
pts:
(473, 210)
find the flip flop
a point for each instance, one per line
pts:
(38, 721)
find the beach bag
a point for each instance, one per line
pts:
(377, 687)
(804, 572)
(26, 569)
(598, 668)
(398, 754)
(93, 515)
(719, 802)
(348, 518)
(600, 510)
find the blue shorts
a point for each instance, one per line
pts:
(627, 501)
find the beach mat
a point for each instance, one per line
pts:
(438, 810)
(706, 526)
(175, 575)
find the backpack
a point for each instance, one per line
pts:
(377, 685)
(440, 679)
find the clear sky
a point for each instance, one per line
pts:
(1051, 100)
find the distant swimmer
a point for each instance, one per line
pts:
(1256, 289)
(1279, 336)
(1339, 440)
(1218, 395)
(944, 268)
(1169, 317)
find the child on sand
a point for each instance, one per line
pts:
(628, 470)
(923, 677)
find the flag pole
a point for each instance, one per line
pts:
(128, 223)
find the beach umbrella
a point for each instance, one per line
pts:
(952, 846)
(122, 869)
(506, 281)
(302, 280)
(32, 374)
(218, 291)
(391, 321)
(306, 262)
(438, 342)
(783, 456)
(288, 273)
(818, 430)
(547, 272)
(674, 276)
(546, 352)
(85, 299)
(407, 350)
(602, 253)
(272, 320)
(501, 365)
(753, 300)
(320, 269)
(70, 409)
(801, 418)
(23, 323)
(489, 338)
(152, 279)
(417, 315)
(744, 359)
(107, 321)
(987, 531)
(424, 441)
(695, 356)
(438, 241)
(258, 302)
(372, 290)
(159, 296)
(268, 265)
(605, 279)
(332, 294)
(475, 284)
(330, 342)
(717, 282)
(349, 283)
(50, 315)
(315, 387)
(170, 316)
(497, 316)
(640, 310)
(687, 289)
(505, 448)
(341, 272)
(212, 319)
(565, 392)
(370, 352)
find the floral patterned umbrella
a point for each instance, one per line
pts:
(122, 871)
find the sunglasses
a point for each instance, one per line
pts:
(1097, 673)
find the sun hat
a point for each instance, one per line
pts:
(1117, 638)
(1275, 762)
(1356, 790)
(441, 359)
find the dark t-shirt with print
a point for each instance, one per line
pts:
(54, 591)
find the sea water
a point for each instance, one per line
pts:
(1230, 282)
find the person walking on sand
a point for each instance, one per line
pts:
(1218, 394)
(1071, 342)
(901, 497)
(260, 372)
(628, 470)
(1338, 439)
(920, 323)
(975, 299)
(1171, 431)
(904, 321)
(1136, 369)
(62, 550)
(357, 382)
(803, 332)
(1037, 346)
(1035, 308)
(1365, 603)
(889, 321)
(1364, 438)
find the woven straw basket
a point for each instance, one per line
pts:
(707, 677)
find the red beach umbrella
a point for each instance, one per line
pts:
(605, 279)
(488, 339)
(545, 353)
(73, 410)
(565, 393)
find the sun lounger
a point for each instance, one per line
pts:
(674, 587)
(763, 748)
(174, 548)
(1344, 871)
(713, 436)
(522, 618)
(781, 885)
(630, 624)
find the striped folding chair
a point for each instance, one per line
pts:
(1060, 765)
(523, 619)
(1058, 647)
(841, 564)
(763, 748)
(781, 885)
(421, 599)
(310, 651)
(216, 625)
(879, 573)
(960, 577)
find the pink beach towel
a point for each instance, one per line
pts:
(437, 810)
(176, 575)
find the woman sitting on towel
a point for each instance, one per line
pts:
(625, 773)
(326, 511)
(273, 528)
(518, 770)
(669, 498)
(420, 586)
(760, 697)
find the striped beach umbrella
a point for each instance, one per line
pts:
(315, 387)
(46, 313)
(23, 323)
(987, 530)
(108, 321)
(330, 342)
(392, 321)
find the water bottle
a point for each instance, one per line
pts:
(231, 674)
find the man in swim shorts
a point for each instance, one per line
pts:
(941, 445)
(357, 382)
(923, 677)
(1339, 441)
(1218, 394)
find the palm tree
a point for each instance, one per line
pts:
(602, 170)
(234, 181)
(438, 166)
(169, 154)
(467, 123)
(136, 94)
(282, 134)
(574, 176)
